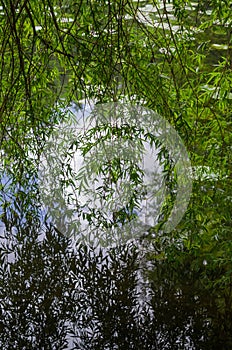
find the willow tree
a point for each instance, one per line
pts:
(164, 56)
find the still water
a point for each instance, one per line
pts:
(56, 294)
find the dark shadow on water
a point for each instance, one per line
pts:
(57, 297)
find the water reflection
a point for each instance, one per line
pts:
(117, 185)
(53, 297)
(56, 296)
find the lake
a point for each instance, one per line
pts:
(149, 291)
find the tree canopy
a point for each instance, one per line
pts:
(174, 58)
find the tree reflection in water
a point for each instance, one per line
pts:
(55, 297)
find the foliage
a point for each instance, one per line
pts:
(58, 52)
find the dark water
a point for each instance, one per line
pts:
(57, 296)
